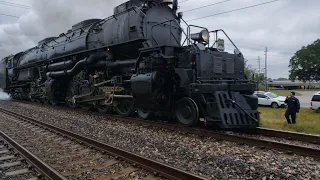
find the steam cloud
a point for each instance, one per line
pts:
(4, 96)
(50, 18)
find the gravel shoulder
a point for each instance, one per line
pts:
(203, 156)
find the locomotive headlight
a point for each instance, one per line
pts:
(202, 37)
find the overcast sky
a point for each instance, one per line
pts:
(283, 26)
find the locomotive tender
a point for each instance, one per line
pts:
(134, 61)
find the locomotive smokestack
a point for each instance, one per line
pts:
(175, 5)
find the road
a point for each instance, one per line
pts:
(305, 98)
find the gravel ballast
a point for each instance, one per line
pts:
(203, 156)
(67, 156)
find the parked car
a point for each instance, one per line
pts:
(270, 99)
(315, 102)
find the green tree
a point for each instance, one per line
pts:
(304, 65)
(248, 70)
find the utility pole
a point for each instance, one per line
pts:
(259, 72)
(265, 72)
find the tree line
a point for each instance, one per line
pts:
(305, 64)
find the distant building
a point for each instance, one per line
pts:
(287, 84)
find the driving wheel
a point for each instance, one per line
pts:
(46, 101)
(104, 109)
(54, 102)
(144, 114)
(72, 105)
(125, 107)
(187, 112)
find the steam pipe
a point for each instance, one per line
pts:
(61, 65)
(115, 64)
(125, 63)
(93, 58)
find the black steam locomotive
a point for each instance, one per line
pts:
(139, 60)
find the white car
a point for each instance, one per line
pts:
(270, 99)
(315, 102)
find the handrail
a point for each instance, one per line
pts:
(189, 30)
(216, 31)
(187, 36)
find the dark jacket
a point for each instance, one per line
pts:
(293, 104)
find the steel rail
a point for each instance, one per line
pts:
(289, 148)
(315, 139)
(148, 164)
(40, 166)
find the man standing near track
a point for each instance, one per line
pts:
(293, 108)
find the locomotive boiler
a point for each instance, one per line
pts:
(136, 61)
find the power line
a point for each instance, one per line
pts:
(247, 7)
(15, 4)
(183, 1)
(207, 6)
(9, 15)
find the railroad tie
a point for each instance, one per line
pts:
(98, 166)
(121, 173)
(18, 172)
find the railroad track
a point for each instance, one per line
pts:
(78, 157)
(314, 139)
(16, 162)
(242, 136)
(308, 138)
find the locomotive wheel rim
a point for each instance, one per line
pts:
(46, 101)
(72, 105)
(187, 112)
(125, 107)
(104, 108)
(54, 103)
(144, 114)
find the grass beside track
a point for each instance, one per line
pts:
(308, 121)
